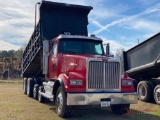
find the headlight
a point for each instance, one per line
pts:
(127, 83)
(75, 82)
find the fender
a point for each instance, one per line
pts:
(57, 83)
(63, 80)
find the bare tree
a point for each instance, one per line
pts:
(119, 54)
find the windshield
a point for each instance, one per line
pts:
(81, 46)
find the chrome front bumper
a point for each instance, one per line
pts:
(95, 98)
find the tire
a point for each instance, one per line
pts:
(41, 99)
(154, 82)
(157, 94)
(135, 83)
(25, 85)
(120, 109)
(61, 108)
(145, 91)
(35, 91)
(30, 85)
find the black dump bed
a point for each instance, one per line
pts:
(143, 60)
(55, 18)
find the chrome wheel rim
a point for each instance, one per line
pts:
(59, 102)
(39, 96)
(142, 91)
(158, 94)
(24, 87)
(27, 89)
(34, 92)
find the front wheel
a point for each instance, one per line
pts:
(120, 109)
(157, 94)
(61, 108)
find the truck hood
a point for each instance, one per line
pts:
(77, 63)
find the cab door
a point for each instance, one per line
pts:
(53, 61)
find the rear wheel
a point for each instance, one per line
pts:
(61, 108)
(157, 94)
(30, 85)
(25, 85)
(35, 91)
(120, 109)
(145, 91)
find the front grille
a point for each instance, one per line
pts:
(103, 75)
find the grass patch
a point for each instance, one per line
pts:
(14, 105)
(11, 81)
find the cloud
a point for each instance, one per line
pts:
(114, 44)
(145, 3)
(142, 25)
(101, 11)
(133, 40)
(96, 23)
(150, 10)
(16, 23)
(7, 46)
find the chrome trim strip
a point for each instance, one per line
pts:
(104, 75)
(95, 98)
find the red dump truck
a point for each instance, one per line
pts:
(142, 63)
(65, 65)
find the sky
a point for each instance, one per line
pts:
(122, 23)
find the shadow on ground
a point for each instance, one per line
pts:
(95, 113)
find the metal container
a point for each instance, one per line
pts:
(143, 60)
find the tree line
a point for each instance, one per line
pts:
(12, 53)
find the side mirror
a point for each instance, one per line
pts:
(107, 49)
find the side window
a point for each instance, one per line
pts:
(54, 49)
(98, 49)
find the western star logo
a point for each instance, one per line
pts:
(105, 59)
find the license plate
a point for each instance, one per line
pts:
(105, 103)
